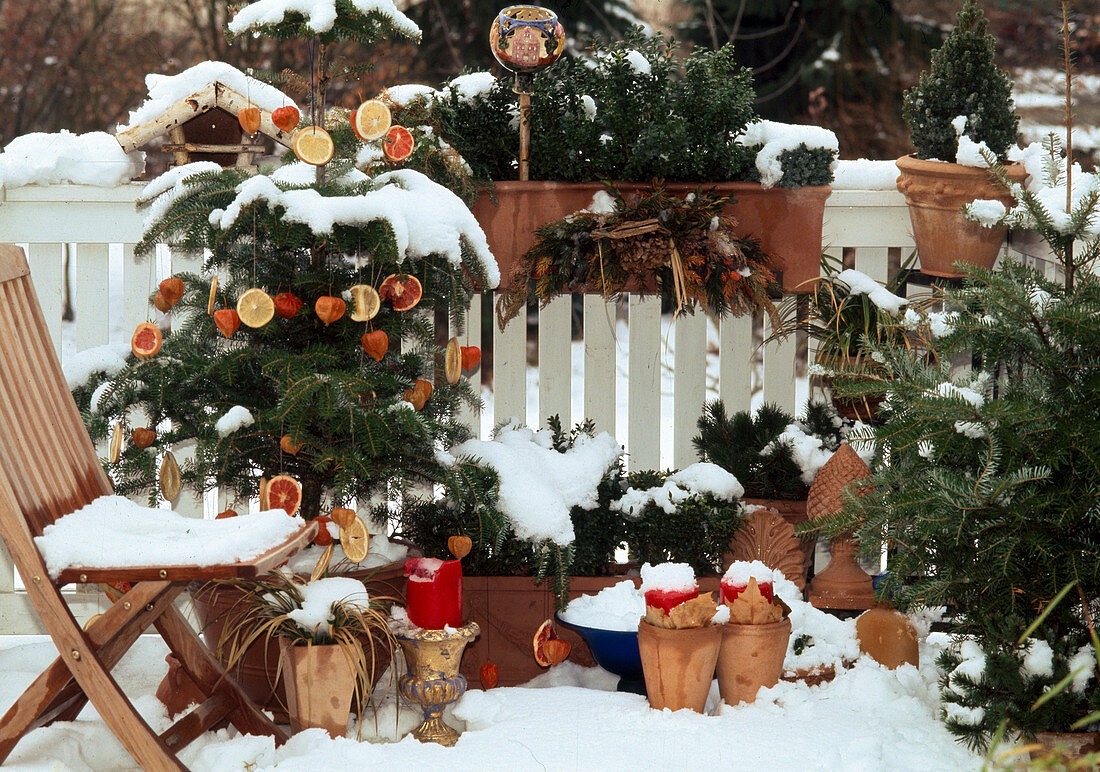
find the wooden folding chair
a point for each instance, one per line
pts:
(49, 468)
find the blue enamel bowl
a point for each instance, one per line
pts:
(616, 651)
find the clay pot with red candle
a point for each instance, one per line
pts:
(433, 596)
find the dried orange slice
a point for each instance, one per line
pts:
(285, 493)
(169, 478)
(213, 295)
(146, 341)
(398, 143)
(452, 361)
(115, 450)
(256, 308)
(355, 539)
(370, 120)
(367, 302)
(313, 145)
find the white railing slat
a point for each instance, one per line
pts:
(138, 282)
(471, 336)
(46, 261)
(89, 272)
(600, 363)
(735, 362)
(690, 382)
(510, 370)
(779, 370)
(644, 389)
(556, 360)
(875, 262)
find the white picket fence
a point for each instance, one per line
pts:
(99, 227)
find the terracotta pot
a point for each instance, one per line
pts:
(1074, 744)
(853, 408)
(935, 193)
(794, 512)
(751, 657)
(218, 606)
(319, 685)
(678, 665)
(787, 223)
(522, 207)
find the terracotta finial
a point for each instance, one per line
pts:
(767, 537)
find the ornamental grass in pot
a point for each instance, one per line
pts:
(633, 112)
(333, 637)
(960, 111)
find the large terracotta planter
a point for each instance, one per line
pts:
(787, 222)
(319, 685)
(678, 665)
(751, 657)
(936, 192)
(218, 606)
(1074, 744)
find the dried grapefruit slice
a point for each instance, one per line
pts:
(548, 649)
(370, 120)
(285, 493)
(398, 143)
(146, 341)
(313, 145)
(256, 308)
(367, 302)
(402, 290)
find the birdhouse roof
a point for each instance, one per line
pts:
(175, 99)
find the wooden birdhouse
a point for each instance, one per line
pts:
(205, 127)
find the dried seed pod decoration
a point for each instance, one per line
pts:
(169, 478)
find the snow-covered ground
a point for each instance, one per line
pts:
(867, 720)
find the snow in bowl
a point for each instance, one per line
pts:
(616, 651)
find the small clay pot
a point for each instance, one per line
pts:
(751, 656)
(1074, 745)
(678, 665)
(888, 637)
(319, 685)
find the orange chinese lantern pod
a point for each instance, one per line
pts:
(287, 304)
(490, 675)
(161, 303)
(289, 446)
(419, 394)
(146, 341)
(143, 438)
(342, 516)
(249, 119)
(460, 546)
(324, 535)
(376, 344)
(226, 514)
(286, 117)
(171, 289)
(471, 357)
(329, 308)
(228, 320)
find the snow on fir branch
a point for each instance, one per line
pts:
(319, 16)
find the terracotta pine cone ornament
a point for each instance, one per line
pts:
(843, 584)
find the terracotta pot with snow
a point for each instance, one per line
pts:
(786, 222)
(319, 683)
(936, 192)
(754, 640)
(677, 640)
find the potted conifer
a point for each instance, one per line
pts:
(962, 102)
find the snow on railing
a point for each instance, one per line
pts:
(636, 373)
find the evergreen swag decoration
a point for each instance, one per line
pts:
(683, 248)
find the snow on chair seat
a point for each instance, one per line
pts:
(117, 534)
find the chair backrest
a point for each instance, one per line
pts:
(46, 455)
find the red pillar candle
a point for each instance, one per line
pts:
(433, 597)
(666, 600)
(731, 592)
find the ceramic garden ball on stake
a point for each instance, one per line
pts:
(526, 39)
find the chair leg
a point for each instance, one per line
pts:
(55, 695)
(211, 677)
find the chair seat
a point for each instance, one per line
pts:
(113, 539)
